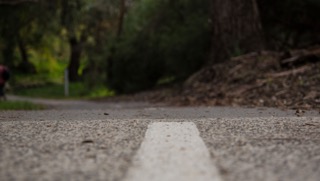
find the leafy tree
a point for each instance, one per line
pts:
(73, 14)
(86, 21)
(23, 26)
(102, 26)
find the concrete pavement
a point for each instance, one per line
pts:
(101, 144)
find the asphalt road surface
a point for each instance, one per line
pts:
(138, 141)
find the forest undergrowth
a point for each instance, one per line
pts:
(286, 80)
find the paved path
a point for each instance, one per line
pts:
(172, 151)
(159, 143)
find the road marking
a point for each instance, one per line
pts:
(172, 151)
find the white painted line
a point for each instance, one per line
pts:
(172, 151)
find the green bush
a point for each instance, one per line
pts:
(20, 105)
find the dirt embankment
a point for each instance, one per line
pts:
(269, 79)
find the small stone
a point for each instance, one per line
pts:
(87, 141)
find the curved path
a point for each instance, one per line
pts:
(59, 104)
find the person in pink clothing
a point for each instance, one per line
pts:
(4, 77)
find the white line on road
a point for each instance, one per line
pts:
(172, 151)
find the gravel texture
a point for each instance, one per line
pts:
(68, 150)
(100, 143)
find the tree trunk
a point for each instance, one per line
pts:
(236, 29)
(8, 54)
(113, 50)
(25, 66)
(74, 63)
(121, 17)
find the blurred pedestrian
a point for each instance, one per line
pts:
(4, 77)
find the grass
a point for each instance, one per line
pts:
(20, 105)
(56, 91)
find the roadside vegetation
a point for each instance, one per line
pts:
(20, 105)
(56, 91)
(113, 47)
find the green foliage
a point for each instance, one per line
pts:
(51, 58)
(45, 27)
(98, 92)
(76, 90)
(161, 39)
(27, 23)
(19, 105)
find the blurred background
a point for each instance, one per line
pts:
(111, 47)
